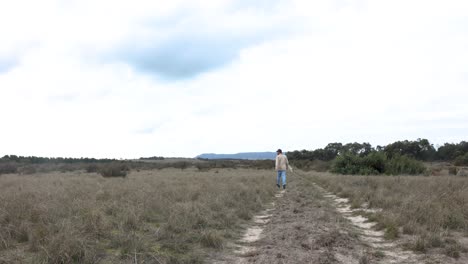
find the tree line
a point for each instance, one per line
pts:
(45, 160)
(401, 157)
(420, 149)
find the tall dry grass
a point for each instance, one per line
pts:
(155, 216)
(434, 209)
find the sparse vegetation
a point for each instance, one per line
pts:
(431, 208)
(64, 210)
(168, 215)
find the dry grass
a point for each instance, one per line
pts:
(432, 208)
(156, 216)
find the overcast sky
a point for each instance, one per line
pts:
(129, 79)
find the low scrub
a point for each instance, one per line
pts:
(376, 163)
(462, 160)
(114, 170)
(427, 207)
(10, 167)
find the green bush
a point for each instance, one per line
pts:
(376, 163)
(462, 160)
(347, 164)
(402, 164)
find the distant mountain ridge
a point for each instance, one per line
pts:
(242, 155)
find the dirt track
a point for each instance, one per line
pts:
(305, 224)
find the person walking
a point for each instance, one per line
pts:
(281, 166)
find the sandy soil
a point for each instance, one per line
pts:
(306, 224)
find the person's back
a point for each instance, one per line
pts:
(281, 166)
(281, 162)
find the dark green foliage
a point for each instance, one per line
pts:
(331, 151)
(376, 163)
(462, 160)
(420, 149)
(152, 158)
(347, 164)
(451, 151)
(352, 164)
(404, 165)
(42, 160)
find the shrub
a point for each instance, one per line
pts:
(263, 164)
(452, 170)
(180, 165)
(93, 167)
(29, 169)
(202, 166)
(462, 160)
(8, 168)
(68, 167)
(114, 170)
(375, 161)
(404, 165)
(347, 164)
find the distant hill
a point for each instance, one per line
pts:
(244, 155)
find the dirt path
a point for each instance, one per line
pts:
(307, 224)
(301, 226)
(384, 251)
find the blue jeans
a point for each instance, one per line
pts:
(282, 176)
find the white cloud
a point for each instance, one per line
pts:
(293, 74)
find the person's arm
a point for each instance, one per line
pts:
(276, 163)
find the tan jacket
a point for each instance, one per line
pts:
(281, 162)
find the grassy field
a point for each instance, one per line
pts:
(176, 215)
(151, 216)
(433, 210)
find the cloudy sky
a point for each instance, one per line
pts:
(126, 79)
